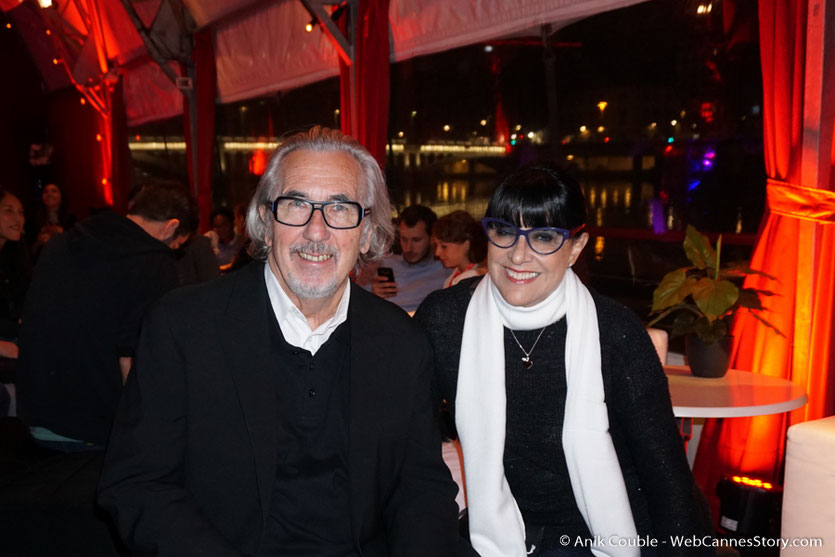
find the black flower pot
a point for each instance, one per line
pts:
(708, 359)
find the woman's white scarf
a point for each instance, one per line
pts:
(496, 525)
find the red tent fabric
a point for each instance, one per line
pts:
(205, 85)
(795, 244)
(372, 80)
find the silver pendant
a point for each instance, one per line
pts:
(527, 362)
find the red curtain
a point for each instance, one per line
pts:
(371, 57)
(205, 89)
(796, 244)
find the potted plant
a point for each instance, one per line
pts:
(699, 302)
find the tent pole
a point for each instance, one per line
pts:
(191, 98)
(345, 45)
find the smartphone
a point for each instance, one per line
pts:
(387, 272)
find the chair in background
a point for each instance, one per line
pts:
(809, 487)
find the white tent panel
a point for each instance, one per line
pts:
(421, 27)
(262, 47)
(205, 12)
(269, 50)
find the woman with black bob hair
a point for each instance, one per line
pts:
(559, 399)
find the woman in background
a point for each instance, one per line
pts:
(15, 272)
(460, 245)
(52, 217)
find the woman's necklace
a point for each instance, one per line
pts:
(526, 360)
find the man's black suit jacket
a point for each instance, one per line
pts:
(191, 461)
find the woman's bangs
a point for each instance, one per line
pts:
(529, 206)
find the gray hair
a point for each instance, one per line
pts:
(373, 195)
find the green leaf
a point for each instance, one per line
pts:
(761, 293)
(741, 269)
(691, 308)
(672, 290)
(714, 297)
(709, 331)
(750, 299)
(683, 324)
(697, 248)
(762, 320)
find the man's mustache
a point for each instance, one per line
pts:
(318, 248)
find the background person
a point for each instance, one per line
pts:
(196, 261)
(15, 272)
(460, 245)
(416, 272)
(88, 295)
(560, 401)
(243, 257)
(225, 242)
(52, 216)
(89, 292)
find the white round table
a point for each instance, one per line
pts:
(737, 394)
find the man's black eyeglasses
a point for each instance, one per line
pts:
(544, 241)
(295, 211)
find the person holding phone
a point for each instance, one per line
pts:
(407, 278)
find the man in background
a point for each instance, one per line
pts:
(83, 311)
(225, 242)
(414, 272)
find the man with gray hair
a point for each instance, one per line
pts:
(282, 410)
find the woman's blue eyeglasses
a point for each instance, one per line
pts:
(544, 241)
